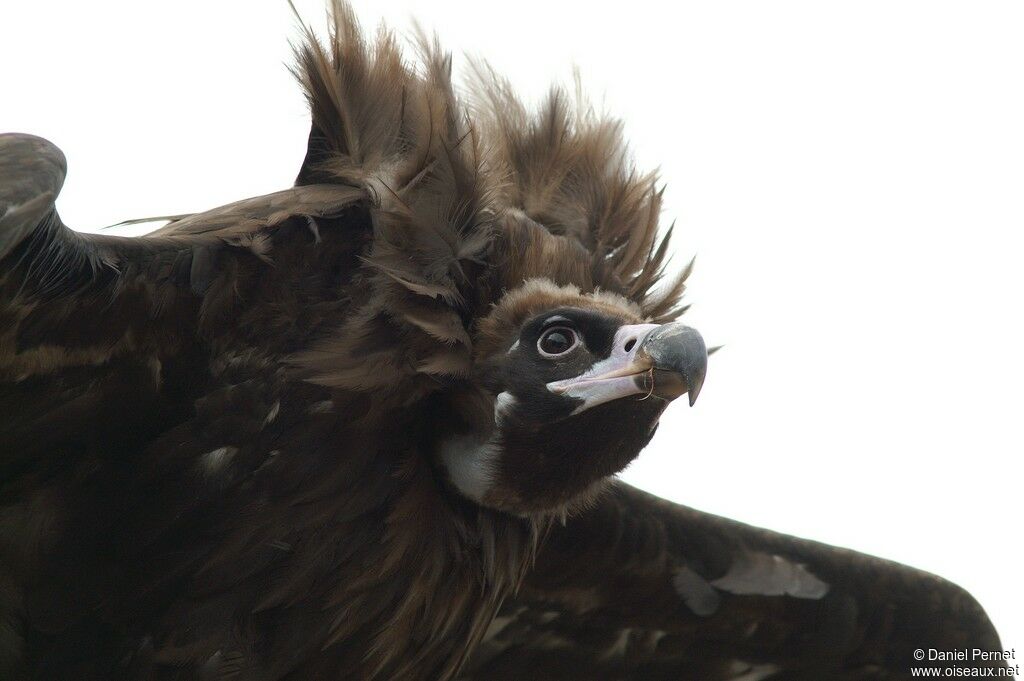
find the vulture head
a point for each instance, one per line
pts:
(517, 253)
(579, 382)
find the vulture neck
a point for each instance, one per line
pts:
(460, 562)
(448, 563)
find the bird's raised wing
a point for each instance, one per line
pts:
(94, 327)
(640, 588)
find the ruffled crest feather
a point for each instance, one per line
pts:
(468, 202)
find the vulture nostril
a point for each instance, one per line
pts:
(630, 343)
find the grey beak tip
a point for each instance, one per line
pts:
(679, 350)
(697, 384)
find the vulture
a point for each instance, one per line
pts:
(367, 427)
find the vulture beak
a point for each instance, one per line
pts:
(679, 360)
(649, 360)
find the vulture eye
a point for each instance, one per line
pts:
(557, 341)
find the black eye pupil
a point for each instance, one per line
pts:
(557, 341)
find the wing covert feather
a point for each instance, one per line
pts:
(640, 588)
(93, 323)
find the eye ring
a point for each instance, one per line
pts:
(557, 341)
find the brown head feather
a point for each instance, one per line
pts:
(467, 203)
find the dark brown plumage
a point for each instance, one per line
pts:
(330, 432)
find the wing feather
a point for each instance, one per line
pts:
(92, 320)
(640, 588)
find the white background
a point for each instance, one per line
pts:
(850, 176)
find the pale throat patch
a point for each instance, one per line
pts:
(472, 461)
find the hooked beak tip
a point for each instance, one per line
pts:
(679, 357)
(692, 394)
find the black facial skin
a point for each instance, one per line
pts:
(550, 456)
(527, 372)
